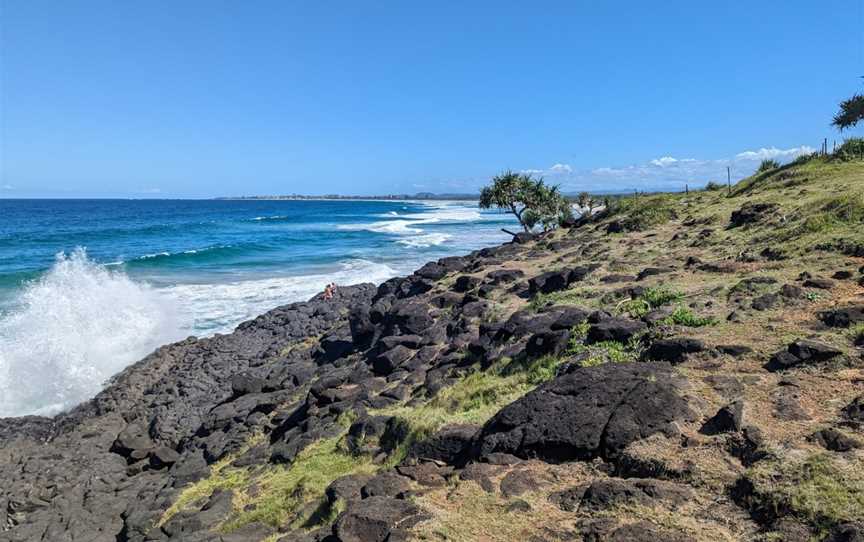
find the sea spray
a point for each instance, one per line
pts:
(218, 308)
(72, 329)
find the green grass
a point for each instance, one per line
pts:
(835, 212)
(651, 299)
(578, 296)
(222, 476)
(642, 212)
(284, 493)
(683, 316)
(818, 489)
(607, 352)
(473, 399)
(856, 333)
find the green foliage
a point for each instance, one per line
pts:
(851, 149)
(643, 212)
(851, 112)
(847, 209)
(856, 333)
(713, 187)
(564, 297)
(651, 298)
(818, 489)
(282, 492)
(767, 165)
(606, 352)
(805, 158)
(473, 399)
(683, 316)
(531, 201)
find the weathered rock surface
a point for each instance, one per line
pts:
(591, 412)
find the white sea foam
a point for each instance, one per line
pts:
(72, 329)
(409, 226)
(428, 240)
(81, 323)
(277, 217)
(218, 308)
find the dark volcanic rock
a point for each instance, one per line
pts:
(843, 317)
(449, 445)
(802, 352)
(652, 271)
(674, 350)
(504, 276)
(834, 440)
(548, 343)
(729, 418)
(615, 329)
(591, 412)
(386, 484)
(854, 411)
(751, 213)
(465, 283)
(551, 281)
(820, 283)
(115, 462)
(377, 519)
(604, 494)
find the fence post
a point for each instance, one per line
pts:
(729, 180)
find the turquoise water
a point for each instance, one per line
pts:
(90, 286)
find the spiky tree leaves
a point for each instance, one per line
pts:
(531, 201)
(851, 111)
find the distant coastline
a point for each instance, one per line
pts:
(422, 196)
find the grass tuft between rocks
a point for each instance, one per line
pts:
(472, 400)
(819, 489)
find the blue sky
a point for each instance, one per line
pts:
(210, 98)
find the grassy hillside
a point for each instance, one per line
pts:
(746, 272)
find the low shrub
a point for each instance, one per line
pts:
(642, 212)
(651, 298)
(607, 352)
(857, 334)
(851, 149)
(713, 187)
(847, 209)
(767, 165)
(683, 316)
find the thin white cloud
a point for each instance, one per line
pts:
(664, 161)
(7, 187)
(152, 190)
(664, 173)
(773, 153)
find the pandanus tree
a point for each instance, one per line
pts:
(851, 112)
(531, 201)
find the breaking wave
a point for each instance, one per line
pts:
(72, 329)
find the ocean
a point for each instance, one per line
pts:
(88, 287)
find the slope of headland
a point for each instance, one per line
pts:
(677, 367)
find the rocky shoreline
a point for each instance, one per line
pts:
(478, 380)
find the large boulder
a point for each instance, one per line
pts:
(449, 445)
(588, 413)
(674, 350)
(615, 329)
(843, 317)
(752, 213)
(552, 343)
(606, 493)
(377, 519)
(802, 352)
